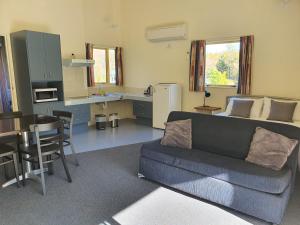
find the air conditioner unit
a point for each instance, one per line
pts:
(167, 33)
(78, 62)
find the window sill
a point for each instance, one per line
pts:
(99, 85)
(221, 86)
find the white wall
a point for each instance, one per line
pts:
(123, 22)
(277, 48)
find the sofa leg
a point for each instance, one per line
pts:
(140, 176)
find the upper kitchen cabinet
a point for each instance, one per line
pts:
(43, 54)
(35, 56)
(53, 59)
(37, 62)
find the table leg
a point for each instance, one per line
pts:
(26, 143)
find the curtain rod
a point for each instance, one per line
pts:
(103, 46)
(223, 39)
(220, 40)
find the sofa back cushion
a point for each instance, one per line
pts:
(228, 136)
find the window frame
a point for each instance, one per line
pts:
(215, 42)
(107, 64)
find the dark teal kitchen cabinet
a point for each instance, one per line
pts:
(53, 59)
(44, 56)
(143, 112)
(38, 64)
(46, 108)
(34, 45)
(81, 112)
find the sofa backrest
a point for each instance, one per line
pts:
(229, 136)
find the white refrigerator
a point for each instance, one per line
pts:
(166, 98)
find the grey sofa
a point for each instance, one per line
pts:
(216, 170)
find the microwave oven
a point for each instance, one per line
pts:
(45, 95)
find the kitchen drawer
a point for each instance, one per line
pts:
(142, 109)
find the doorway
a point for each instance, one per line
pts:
(5, 90)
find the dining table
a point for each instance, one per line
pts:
(21, 126)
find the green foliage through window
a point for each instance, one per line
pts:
(222, 64)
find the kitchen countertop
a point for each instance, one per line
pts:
(110, 97)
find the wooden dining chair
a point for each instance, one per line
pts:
(47, 149)
(68, 119)
(9, 146)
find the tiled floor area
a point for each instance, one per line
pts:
(90, 139)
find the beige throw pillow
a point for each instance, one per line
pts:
(178, 134)
(269, 149)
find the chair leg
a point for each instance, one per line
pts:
(16, 168)
(6, 176)
(23, 171)
(63, 159)
(50, 166)
(74, 153)
(42, 174)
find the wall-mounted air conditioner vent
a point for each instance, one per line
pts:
(167, 33)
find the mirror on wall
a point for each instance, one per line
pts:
(5, 90)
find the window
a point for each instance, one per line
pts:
(104, 67)
(222, 64)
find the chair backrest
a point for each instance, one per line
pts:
(54, 131)
(11, 115)
(67, 118)
(8, 122)
(63, 114)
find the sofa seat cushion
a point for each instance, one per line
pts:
(234, 171)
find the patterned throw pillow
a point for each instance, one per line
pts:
(269, 149)
(178, 134)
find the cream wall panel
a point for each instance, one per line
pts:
(60, 17)
(77, 22)
(102, 22)
(123, 22)
(277, 49)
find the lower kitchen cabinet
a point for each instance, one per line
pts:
(143, 112)
(81, 112)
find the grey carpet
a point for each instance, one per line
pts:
(106, 191)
